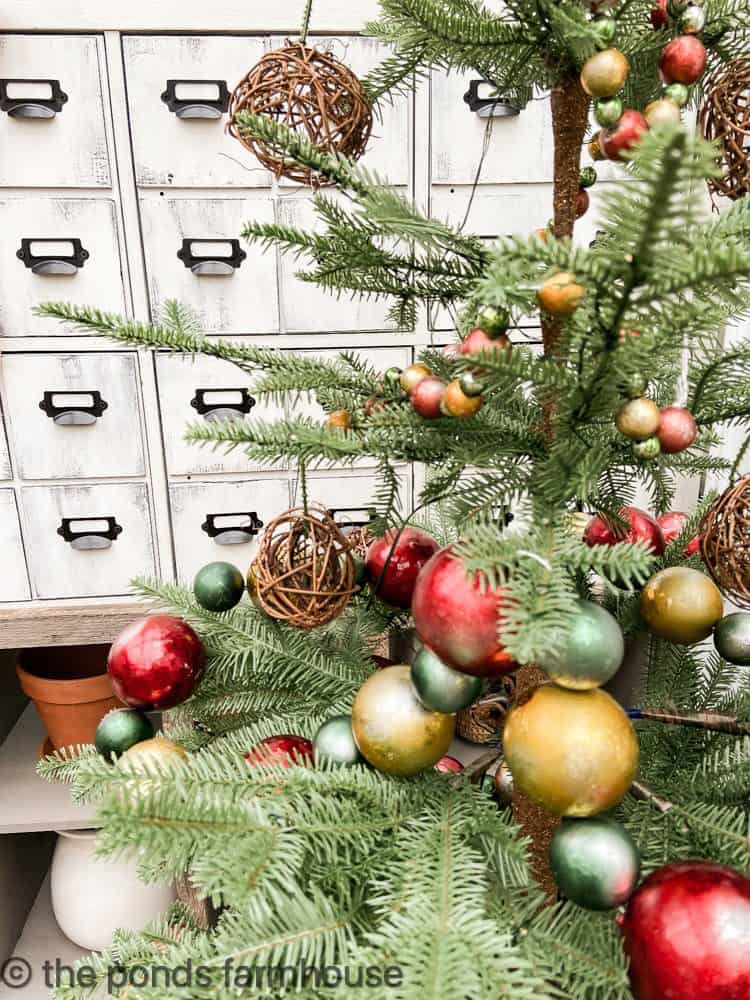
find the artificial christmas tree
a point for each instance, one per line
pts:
(324, 859)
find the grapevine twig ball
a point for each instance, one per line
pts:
(725, 118)
(310, 92)
(304, 573)
(725, 542)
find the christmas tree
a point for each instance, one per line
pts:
(297, 788)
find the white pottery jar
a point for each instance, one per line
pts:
(93, 897)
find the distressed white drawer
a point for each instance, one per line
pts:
(72, 249)
(68, 148)
(350, 497)
(61, 521)
(6, 472)
(198, 389)
(308, 307)
(219, 521)
(229, 285)
(74, 415)
(14, 580)
(179, 148)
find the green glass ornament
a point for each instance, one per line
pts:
(218, 586)
(440, 688)
(587, 177)
(392, 378)
(120, 730)
(732, 638)
(360, 570)
(494, 320)
(591, 652)
(604, 28)
(335, 741)
(678, 93)
(595, 862)
(471, 385)
(608, 111)
(635, 385)
(647, 449)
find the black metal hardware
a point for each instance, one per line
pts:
(56, 261)
(491, 105)
(87, 537)
(366, 516)
(207, 262)
(222, 409)
(73, 412)
(19, 105)
(248, 526)
(186, 106)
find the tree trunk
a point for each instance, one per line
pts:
(570, 106)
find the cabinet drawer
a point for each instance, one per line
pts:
(56, 249)
(188, 147)
(74, 415)
(197, 389)
(349, 497)
(6, 471)
(219, 521)
(230, 285)
(87, 541)
(47, 140)
(14, 580)
(310, 308)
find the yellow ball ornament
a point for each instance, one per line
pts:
(573, 752)
(393, 730)
(638, 419)
(604, 73)
(560, 294)
(662, 112)
(160, 751)
(681, 604)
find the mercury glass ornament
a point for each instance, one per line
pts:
(681, 604)
(592, 650)
(158, 752)
(471, 385)
(693, 19)
(638, 419)
(732, 638)
(608, 111)
(441, 688)
(219, 586)
(121, 729)
(647, 449)
(595, 862)
(335, 741)
(586, 178)
(604, 73)
(493, 320)
(678, 93)
(503, 784)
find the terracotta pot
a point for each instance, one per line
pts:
(70, 688)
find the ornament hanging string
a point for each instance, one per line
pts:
(305, 22)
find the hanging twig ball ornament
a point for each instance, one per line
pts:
(304, 572)
(725, 118)
(725, 542)
(310, 92)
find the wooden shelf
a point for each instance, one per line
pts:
(66, 624)
(42, 941)
(27, 803)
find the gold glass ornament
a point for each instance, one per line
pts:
(341, 419)
(393, 730)
(150, 754)
(595, 148)
(560, 294)
(412, 376)
(604, 73)
(638, 419)
(573, 752)
(456, 403)
(662, 112)
(681, 604)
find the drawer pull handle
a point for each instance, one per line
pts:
(232, 529)
(211, 256)
(53, 256)
(349, 518)
(68, 408)
(89, 532)
(203, 99)
(222, 404)
(31, 98)
(484, 101)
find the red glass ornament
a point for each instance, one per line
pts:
(693, 546)
(687, 933)
(677, 429)
(156, 662)
(427, 397)
(671, 525)
(458, 619)
(375, 404)
(642, 528)
(683, 60)
(285, 750)
(448, 764)
(478, 340)
(616, 141)
(582, 202)
(411, 551)
(451, 350)
(660, 15)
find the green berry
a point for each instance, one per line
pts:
(647, 449)
(587, 177)
(678, 93)
(608, 111)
